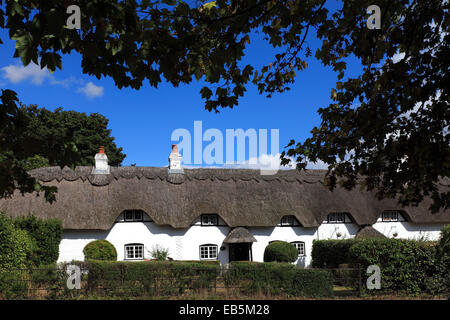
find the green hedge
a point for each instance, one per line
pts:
(409, 267)
(100, 250)
(280, 251)
(275, 279)
(154, 278)
(46, 234)
(405, 265)
(16, 246)
(331, 253)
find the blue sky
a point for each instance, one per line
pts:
(142, 121)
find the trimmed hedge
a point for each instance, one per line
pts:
(280, 251)
(100, 250)
(155, 278)
(408, 267)
(16, 246)
(331, 253)
(46, 235)
(405, 264)
(278, 279)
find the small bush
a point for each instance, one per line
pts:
(159, 253)
(100, 250)
(280, 251)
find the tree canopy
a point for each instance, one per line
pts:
(387, 129)
(52, 128)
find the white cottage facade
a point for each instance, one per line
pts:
(211, 214)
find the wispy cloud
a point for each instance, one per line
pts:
(91, 91)
(17, 73)
(67, 83)
(32, 72)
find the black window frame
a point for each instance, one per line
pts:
(294, 222)
(343, 214)
(216, 216)
(133, 213)
(390, 212)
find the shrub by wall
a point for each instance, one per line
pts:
(100, 250)
(278, 279)
(439, 282)
(280, 251)
(46, 234)
(16, 246)
(405, 264)
(150, 278)
(331, 253)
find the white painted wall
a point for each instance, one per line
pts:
(337, 230)
(73, 242)
(183, 244)
(407, 230)
(288, 234)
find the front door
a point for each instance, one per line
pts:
(240, 252)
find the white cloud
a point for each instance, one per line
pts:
(267, 163)
(68, 82)
(91, 91)
(270, 164)
(18, 73)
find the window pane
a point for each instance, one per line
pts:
(138, 215)
(208, 252)
(128, 215)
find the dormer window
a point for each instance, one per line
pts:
(288, 221)
(390, 215)
(133, 215)
(209, 220)
(336, 217)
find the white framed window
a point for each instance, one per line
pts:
(288, 221)
(336, 217)
(208, 252)
(300, 246)
(390, 215)
(134, 251)
(133, 215)
(209, 220)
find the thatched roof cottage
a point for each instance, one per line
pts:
(224, 214)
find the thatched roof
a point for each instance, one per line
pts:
(368, 232)
(239, 235)
(241, 197)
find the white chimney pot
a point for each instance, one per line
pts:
(101, 163)
(175, 161)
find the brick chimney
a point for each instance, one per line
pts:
(101, 162)
(175, 161)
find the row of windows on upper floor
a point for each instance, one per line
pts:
(213, 219)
